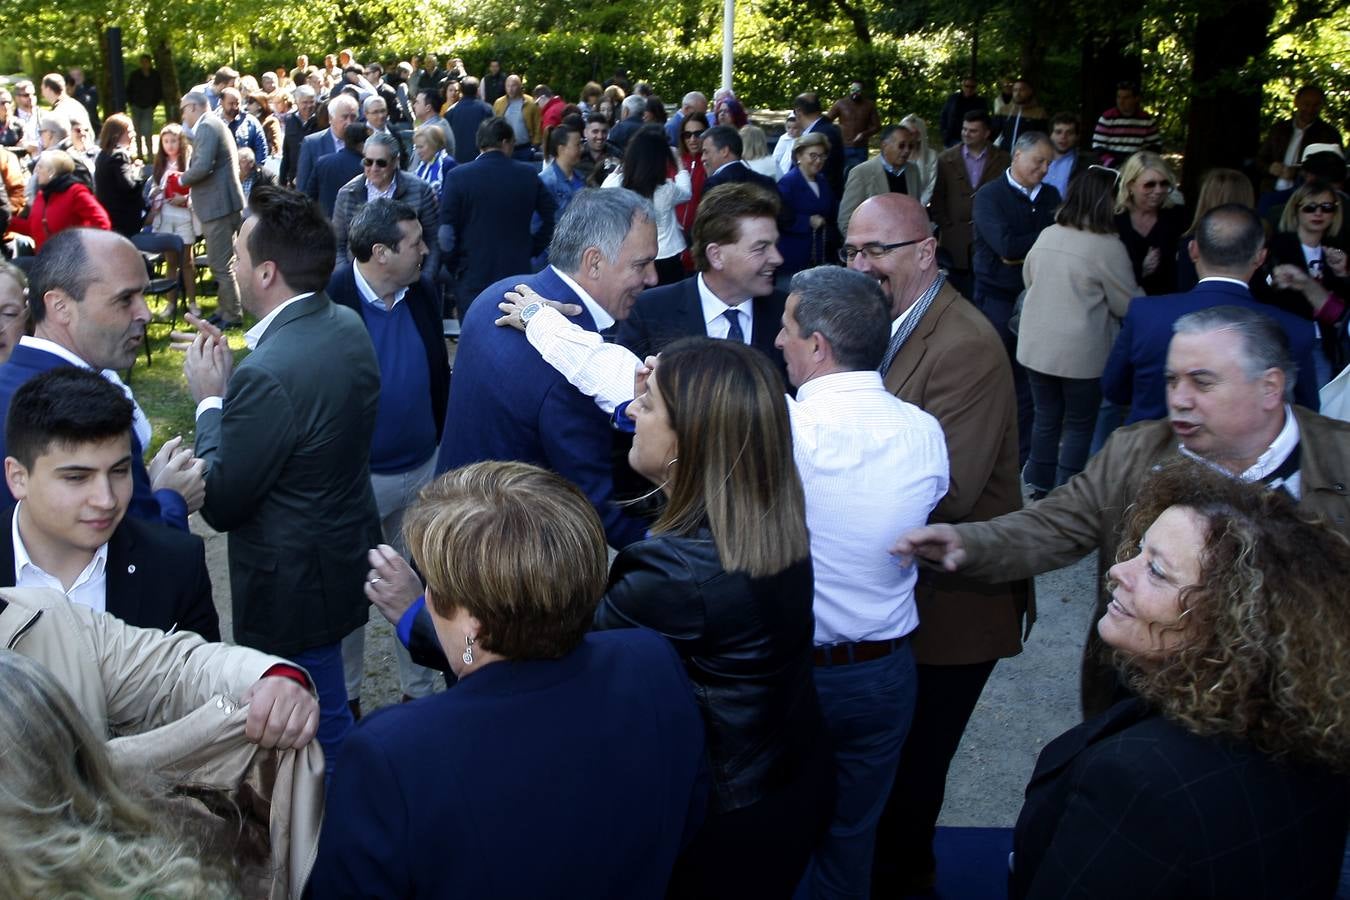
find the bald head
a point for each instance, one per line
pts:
(903, 272)
(1230, 242)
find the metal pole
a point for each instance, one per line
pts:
(728, 27)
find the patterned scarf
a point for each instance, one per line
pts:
(912, 321)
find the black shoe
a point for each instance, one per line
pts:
(214, 319)
(355, 707)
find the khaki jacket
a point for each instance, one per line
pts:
(529, 110)
(1087, 513)
(954, 367)
(169, 705)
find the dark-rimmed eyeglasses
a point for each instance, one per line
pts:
(1319, 207)
(872, 251)
(368, 162)
(694, 134)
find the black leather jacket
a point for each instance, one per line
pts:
(746, 644)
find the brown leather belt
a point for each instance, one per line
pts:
(858, 652)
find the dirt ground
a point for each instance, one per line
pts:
(1030, 699)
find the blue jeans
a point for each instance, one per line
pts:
(324, 665)
(868, 708)
(1066, 413)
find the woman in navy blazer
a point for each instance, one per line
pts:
(810, 205)
(562, 764)
(1225, 776)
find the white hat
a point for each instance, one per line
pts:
(1321, 148)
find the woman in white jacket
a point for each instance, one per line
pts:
(652, 169)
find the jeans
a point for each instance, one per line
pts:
(854, 156)
(393, 494)
(324, 665)
(1066, 413)
(868, 708)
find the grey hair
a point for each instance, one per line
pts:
(1029, 140)
(305, 90)
(1264, 342)
(377, 223)
(340, 101)
(196, 98)
(848, 309)
(691, 98)
(247, 153)
(386, 140)
(62, 264)
(55, 125)
(635, 104)
(373, 98)
(600, 218)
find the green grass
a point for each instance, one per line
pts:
(160, 387)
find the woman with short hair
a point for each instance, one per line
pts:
(433, 159)
(1149, 220)
(1225, 775)
(810, 207)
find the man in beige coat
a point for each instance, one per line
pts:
(181, 711)
(891, 171)
(1220, 413)
(946, 359)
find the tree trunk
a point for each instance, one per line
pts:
(1106, 60)
(1224, 124)
(168, 75)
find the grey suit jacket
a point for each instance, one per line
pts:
(288, 477)
(213, 173)
(869, 179)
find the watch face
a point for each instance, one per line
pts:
(530, 312)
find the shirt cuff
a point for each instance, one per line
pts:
(209, 403)
(294, 673)
(621, 422)
(405, 624)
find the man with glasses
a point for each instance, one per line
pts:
(382, 178)
(28, 113)
(954, 111)
(945, 358)
(217, 198)
(889, 172)
(11, 129)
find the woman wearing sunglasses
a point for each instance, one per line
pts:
(1149, 221)
(1306, 273)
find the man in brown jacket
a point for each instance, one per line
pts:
(961, 171)
(1219, 412)
(945, 358)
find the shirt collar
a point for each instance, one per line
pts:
(836, 382)
(714, 306)
(368, 293)
(254, 334)
(1226, 279)
(603, 319)
(890, 168)
(731, 163)
(96, 566)
(53, 348)
(1029, 193)
(965, 151)
(929, 293)
(1271, 459)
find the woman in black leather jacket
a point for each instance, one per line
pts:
(726, 576)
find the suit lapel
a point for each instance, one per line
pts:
(690, 312)
(912, 353)
(122, 591)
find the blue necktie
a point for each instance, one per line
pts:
(734, 332)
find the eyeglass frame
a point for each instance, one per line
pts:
(874, 251)
(367, 162)
(1330, 207)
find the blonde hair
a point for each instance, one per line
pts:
(754, 145)
(735, 473)
(70, 827)
(1264, 655)
(920, 129)
(1289, 218)
(59, 161)
(434, 134)
(1135, 166)
(1219, 188)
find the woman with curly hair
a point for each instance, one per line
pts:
(1224, 776)
(71, 828)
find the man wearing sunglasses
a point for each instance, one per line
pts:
(382, 178)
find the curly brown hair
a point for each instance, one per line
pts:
(1265, 655)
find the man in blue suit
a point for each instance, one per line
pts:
(507, 403)
(486, 209)
(86, 295)
(1229, 246)
(342, 111)
(722, 149)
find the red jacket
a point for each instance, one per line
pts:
(74, 207)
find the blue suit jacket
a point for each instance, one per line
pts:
(163, 506)
(581, 776)
(507, 403)
(312, 149)
(329, 175)
(797, 242)
(1135, 373)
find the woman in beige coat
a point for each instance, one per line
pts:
(1079, 283)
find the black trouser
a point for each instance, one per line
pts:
(946, 698)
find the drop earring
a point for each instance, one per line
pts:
(468, 650)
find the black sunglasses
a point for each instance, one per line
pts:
(694, 134)
(368, 162)
(1319, 207)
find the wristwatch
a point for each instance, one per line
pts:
(530, 312)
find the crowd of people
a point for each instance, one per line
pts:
(700, 566)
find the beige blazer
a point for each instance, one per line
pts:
(1079, 287)
(169, 704)
(868, 180)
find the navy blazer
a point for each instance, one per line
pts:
(164, 506)
(156, 577)
(834, 163)
(580, 776)
(425, 306)
(1135, 371)
(313, 148)
(797, 241)
(507, 403)
(736, 173)
(1131, 804)
(663, 315)
(489, 204)
(330, 174)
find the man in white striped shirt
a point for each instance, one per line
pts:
(868, 461)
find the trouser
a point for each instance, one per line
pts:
(1066, 413)
(143, 118)
(868, 708)
(904, 848)
(393, 495)
(997, 305)
(219, 234)
(324, 665)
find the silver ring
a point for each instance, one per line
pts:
(376, 580)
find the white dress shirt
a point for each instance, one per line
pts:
(139, 423)
(714, 309)
(90, 587)
(872, 467)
